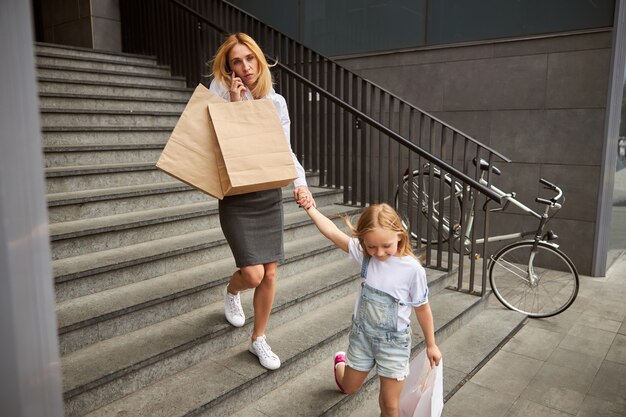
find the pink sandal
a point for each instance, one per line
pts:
(340, 357)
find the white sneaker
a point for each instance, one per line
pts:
(233, 310)
(263, 351)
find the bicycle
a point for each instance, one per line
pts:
(532, 276)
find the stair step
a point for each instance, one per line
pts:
(107, 118)
(87, 177)
(140, 264)
(75, 238)
(80, 205)
(91, 154)
(97, 271)
(91, 376)
(222, 383)
(47, 85)
(110, 103)
(93, 318)
(100, 64)
(89, 53)
(112, 77)
(62, 136)
(466, 351)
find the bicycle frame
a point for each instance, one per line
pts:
(505, 198)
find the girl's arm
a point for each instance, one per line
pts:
(425, 318)
(329, 229)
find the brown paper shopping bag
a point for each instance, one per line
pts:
(252, 143)
(255, 146)
(192, 151)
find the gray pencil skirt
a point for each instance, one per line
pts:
(253, 226)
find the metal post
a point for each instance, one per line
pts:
(611, 132)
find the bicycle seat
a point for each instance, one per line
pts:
(484, 166)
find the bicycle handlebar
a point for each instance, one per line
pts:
(550, 186)
(547, 183)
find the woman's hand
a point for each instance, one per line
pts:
(303, 197)
(237, 88)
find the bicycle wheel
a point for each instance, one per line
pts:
(555, 285)
(407, 200)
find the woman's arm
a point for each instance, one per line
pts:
(329, 229)
(301, 193)
(425, 319)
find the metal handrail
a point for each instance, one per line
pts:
(374, 123)
(355, 135)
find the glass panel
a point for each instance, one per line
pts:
(341, 27)
(279, 14)
(337, 27)
(451, 21)
(617, 234)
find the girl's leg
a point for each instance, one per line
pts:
(389, 398)
(263, 299)
(350, 379)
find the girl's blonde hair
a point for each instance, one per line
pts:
(221, 68)
(381, 216)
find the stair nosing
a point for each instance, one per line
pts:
(98, 97)
(140, 247)
(114, 193)
(73, 170)
(206, 336)
(102, 147)
(83, 129)
(64, 111)
(111, 72)
(104, 60)
(151, 301)
(142, 218)
(115, 84)
(340, 331)
(93, 50)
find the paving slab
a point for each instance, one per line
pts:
(572, 364)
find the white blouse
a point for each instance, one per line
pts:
(283, 114)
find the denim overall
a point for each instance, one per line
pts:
(376, 318)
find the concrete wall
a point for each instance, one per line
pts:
(541, 102)
(85, 23)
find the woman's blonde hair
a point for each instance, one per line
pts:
(221, 68)
(381, 216)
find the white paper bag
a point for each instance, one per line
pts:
(422, 395)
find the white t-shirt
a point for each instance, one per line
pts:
(283, 114)
(403, 278)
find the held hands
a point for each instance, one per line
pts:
(304, 198)
(237, 88)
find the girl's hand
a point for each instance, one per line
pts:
(304, 198)
(434, 355)
(237, 88)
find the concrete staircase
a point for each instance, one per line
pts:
(140, 265)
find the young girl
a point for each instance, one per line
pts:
(393, 280)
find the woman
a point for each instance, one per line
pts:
(253, 222)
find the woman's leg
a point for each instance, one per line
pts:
(350, 379)
(264, 299)
(389, 398)
(263, 279)
(245, 278)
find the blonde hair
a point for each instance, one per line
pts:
(381, 216)
(220, 67)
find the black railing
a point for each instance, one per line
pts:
(354, 134)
